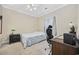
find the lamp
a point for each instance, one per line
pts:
(13, 31)
(71, 24)
(72, 28)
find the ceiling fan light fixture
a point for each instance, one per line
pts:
(31, 7)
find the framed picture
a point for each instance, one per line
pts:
(0, 24)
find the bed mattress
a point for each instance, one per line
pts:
(29, 39)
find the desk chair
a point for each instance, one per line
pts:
(50, 45)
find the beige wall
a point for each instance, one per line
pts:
(78, 21)
(0, 10)
(63, 17)
(18, 21)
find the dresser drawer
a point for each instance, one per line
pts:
(14, 38)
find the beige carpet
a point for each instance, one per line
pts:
(18, 49)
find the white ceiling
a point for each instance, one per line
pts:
(41, 10)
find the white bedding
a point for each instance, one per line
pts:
(29, 39)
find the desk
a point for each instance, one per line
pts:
(61, 48)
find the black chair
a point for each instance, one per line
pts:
(50, 43)
(49, 36)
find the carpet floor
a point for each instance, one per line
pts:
(18, 49)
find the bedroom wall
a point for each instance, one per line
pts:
(0, 10)
(78, 20)
(63, 17)
(20, 22)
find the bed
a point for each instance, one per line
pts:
(28, 39)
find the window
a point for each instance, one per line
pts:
(50, 20)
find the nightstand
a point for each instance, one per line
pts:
(14, 38)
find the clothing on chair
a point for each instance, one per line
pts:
(49, 34)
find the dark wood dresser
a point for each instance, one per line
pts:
(14, 38)
(61, 48)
